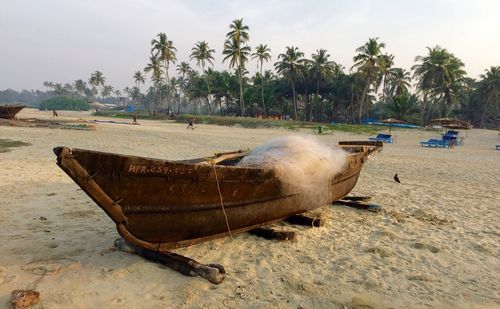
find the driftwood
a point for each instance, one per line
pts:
(214, 273)
(304, 220)
(268, 233)
(358, 198)
(20, 299)
(358, 205)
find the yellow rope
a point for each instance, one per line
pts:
(220, 197)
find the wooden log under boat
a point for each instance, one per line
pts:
(161, 205)
(10, 111)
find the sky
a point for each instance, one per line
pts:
(65, 40)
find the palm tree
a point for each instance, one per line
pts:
(202, 53)
(107, 91)
(440, 75)
(489, 89)
(262, 54)
(48, 84)
(154, 67)
(367, 63)
(97, 80)
(385, 64)
(80, 87)
(291, 66)
(235, 50)
(398, 81)
(183, 69)
(321, 68)
(402, 107)
(139, 79)
(164, 50)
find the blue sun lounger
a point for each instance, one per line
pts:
(438, 143)
(386, 138)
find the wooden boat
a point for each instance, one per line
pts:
(10, 111)
(161, 205)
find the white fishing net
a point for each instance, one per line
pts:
(303, 163)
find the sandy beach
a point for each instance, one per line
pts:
(435, 244)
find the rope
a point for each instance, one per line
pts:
(220, 197)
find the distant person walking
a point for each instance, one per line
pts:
(190, 123)
(54, 114)
(135, 119)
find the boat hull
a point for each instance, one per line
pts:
(10, 111)
(162, 205)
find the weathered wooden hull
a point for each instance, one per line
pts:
(10, 111)
(162, 205)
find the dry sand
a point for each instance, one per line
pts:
(435, 245)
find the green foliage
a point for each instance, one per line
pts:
(65, 103)
(125, 115)
(247, 122)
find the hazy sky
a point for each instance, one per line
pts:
(65, 40)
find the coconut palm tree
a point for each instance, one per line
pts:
(80, 87)
(97, 80)
(385, 64)
(163, 49)
(262, 54)
(320, 68)
(439, 74)
(489, 89)
(156, 70)
(107, 91)
(202, 53)
(236, 50)
(139, 79)
(183, 69)
(367, 64)
(398, 81)
(291, 66)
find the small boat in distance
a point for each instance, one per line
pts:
(161, 205)
(10, 111)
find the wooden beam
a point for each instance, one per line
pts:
(269, 233)
(214, 273)
(305, 220)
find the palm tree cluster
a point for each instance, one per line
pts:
(308, 89)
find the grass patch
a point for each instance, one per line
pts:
(125, 115)
(248, 122)
(6, 144)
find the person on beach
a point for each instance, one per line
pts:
(54, 114)
(190, 123)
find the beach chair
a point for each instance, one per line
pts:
(448, 138)
(386, 138)
(436, 143)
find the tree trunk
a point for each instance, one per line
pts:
(262, 91)
(167, 83)
(209, 97)
(242, 103)
(319, 109)
(367, 86)
(484, 113)
(294, 102)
